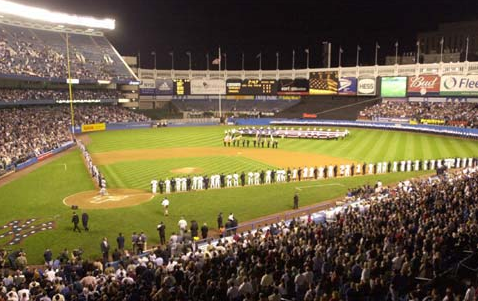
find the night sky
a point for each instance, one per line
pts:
(265, 26)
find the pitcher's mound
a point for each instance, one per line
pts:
(116, 198)
(187, 170)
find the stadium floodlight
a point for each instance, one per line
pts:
(40, 14)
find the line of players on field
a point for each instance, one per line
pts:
(217, 181)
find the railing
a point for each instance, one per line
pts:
(440, 69)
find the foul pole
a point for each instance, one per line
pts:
(70, 89)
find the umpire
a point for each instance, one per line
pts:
(75, 220)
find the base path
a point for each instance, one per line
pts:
(274, 157)
(116, 198)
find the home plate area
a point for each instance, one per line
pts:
(115, 198)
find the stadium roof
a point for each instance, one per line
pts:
(44, 15)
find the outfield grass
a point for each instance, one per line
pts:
(40, 193)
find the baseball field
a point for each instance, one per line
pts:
(35, 207)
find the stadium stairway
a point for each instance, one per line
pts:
(330, 107)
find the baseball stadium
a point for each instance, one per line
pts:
(127, 182)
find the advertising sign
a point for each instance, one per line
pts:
(394, 86)
(164, 87)
(367, 86)
(456, 85)
(206, 86)
(323, 83)
(147, 87)
(423, 85)
(251, 87)
(347, 86)
(299, 86)
(182, 87)
(93, 127)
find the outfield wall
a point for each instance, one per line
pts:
(423, 128)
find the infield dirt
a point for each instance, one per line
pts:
(274, 157)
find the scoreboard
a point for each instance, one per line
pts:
(182, 87)
(251, 87)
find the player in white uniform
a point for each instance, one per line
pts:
(165, 204)
(235, 179)
(347, 170)
(311, 172)
(250, 178)
(403, 165)
(342, 170)
(416, 165)
(330, 171)
(321, 172)
(228, 181)
(395, 166)
(154, 186)
(184, 184)
(167, 186)
(294, 174)
(409, 165)
(200, 182)
(178, 184)
(432, 164)
(268, 177)
(358, 169)
(305, 173)
(370, 169)
(256, 178)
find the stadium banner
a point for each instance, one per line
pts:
(93, 127)
(251, 87)
(323, 83)
(164, 87)
(147, 87)
(240, 97)
(432, 121)
(423, 85)
(458, 85)
(347, 86)
(146, 74)
(298, 86)
(393, 120)
(206, 86)
(26, 163)
(181, 86)
(307, 115)
(128, 125)
(367, 86)
(393, 86)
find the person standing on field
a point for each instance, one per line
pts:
(165, 204)
(75, 220)
(296, 201)
(84, 220)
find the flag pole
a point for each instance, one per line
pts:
(442, 41)
(219, 66)
(466, 52)
(376, 52)
(418, 52)
(358, 51)
(340, 56)
(396, 53)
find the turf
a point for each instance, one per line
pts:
(40, 193)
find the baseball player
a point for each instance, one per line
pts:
(395, 166)
(347, 170)
(311, 172)
(200, 182)
(268, 176)
(409, 165)
(432, 164)
(178, 184)
(154, 186)
(257, 176)
(294, 174)
(425, 165)
(235, 179)
(358, 169)
(228, 181)
(184, 184)
(165, 204)
(250, 178)
(167, 184)
(330, 171)
(370, 169)
(402, 165)
(321, 172)
(417, 165)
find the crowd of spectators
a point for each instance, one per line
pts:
(449, 112)
(15, 95)
(374, 251)
(33, 52)
(27, 132)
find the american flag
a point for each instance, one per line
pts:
(323, 83)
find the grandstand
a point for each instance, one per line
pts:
(416, 239)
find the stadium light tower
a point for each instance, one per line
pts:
(44, 15)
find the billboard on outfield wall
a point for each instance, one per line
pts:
(181, 86)
(251, 87)
(147, 87)
(93, 127)
(298, 86)
(206, 86)
(323, 83)
(423, 85)
(347, 86)
(164, 87)
(367, 86)
(393, 86)
(457, 85)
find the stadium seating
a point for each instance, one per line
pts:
(449, 113)
(395, 243)
(27, 132)
(16, 95)
(238, 106)
(31, 52)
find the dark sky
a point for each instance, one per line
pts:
(267, 26)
